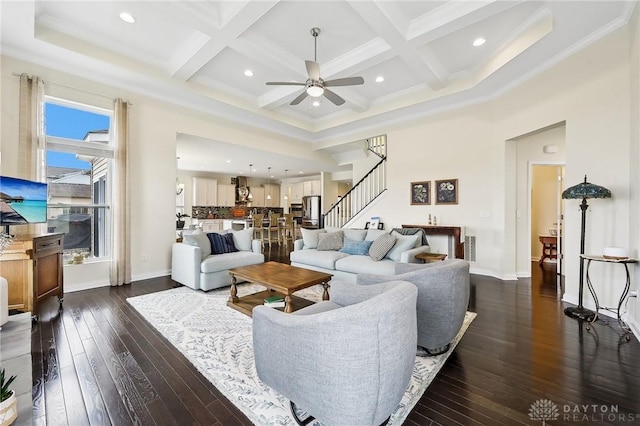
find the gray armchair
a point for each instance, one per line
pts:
(443, 298)
(347, 361)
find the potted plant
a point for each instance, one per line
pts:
(8, 401)
(180, 222)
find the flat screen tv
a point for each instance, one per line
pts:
(22, 201)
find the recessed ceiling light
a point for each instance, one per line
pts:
(301, 172)
(248, 73)
(379, 79)
(479, 41)
(127, 17)
(228, 161)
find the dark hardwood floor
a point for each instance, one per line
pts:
(100, 363)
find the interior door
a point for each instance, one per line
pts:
(560, 221)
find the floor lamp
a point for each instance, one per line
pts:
(583, 190)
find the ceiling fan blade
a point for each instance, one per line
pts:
(284, 83)
(299, 99)
(333, 97)
(349, 81)
(313, 70)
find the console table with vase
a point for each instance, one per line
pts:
(456, 245)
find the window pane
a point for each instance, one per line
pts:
(72, 123)
(78, 174)
(83, 228)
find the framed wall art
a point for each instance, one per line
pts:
(446, 191)
(421, 193)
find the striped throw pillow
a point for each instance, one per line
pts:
(381, 246)
(221, 243)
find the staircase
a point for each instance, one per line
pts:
(365, 191)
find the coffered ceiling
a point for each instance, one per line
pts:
(196, 53)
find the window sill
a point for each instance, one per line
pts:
(88, 262)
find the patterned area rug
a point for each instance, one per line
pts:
(218, 341)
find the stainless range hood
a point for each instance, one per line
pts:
(242, 189)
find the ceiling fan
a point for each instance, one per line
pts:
(315, 86)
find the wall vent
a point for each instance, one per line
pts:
(470, 248)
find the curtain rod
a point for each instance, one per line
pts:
(72, 88)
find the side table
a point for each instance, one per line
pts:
(624, 261)
(430, 257)
(549, 247)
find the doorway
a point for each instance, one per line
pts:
(546, 183)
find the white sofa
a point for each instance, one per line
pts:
(344, 266)
(193, 265)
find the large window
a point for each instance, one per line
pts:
(79, 168)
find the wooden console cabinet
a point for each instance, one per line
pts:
(32, 265)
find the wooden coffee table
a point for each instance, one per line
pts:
(277, 277)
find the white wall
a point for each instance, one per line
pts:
(590, 91)
(153, 129)
(634, 160)
(529, 149)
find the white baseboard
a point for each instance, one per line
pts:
(97, 284)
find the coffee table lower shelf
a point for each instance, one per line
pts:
(245, 304)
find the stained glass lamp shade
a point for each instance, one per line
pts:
(583, 190)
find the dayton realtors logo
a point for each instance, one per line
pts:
(545, 410)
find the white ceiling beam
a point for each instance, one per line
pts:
(229, 31)
(388, 27)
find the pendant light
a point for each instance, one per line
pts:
(269, 193)
(286, 191)
(250, 196)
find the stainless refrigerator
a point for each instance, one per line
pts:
(311, 212)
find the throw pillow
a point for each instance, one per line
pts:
(372, 234)
(381, 246)
(310, 237)
(242, 239)
(416, 236)
(355, 234)
(221, 243)
(356, 247)
(330, 241)
(403, 243)
(199, 239)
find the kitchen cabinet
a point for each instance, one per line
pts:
(296, 192)
(258, 196)
(205, 192)
(226, 195)
(274, 191)
(311, 187)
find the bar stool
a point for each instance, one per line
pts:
(274, 228)
(257, 226)
(288, 228)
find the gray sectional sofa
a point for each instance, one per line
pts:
(344, 266)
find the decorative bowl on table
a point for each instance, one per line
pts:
(617, 253)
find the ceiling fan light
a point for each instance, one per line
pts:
(479, 41)
(315, 91)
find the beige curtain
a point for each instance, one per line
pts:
(31, 137)
(120, 267)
